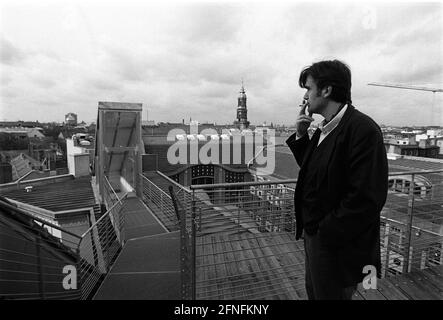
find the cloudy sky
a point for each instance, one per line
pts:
(187, 59)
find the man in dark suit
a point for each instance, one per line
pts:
(342, 184)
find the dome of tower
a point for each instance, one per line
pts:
(242, 93)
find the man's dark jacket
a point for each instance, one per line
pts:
(347, 190)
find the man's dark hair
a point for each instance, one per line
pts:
(332, 73)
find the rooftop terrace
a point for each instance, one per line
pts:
(217, 241)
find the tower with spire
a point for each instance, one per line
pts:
(242, 112)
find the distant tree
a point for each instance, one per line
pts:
(52, 132)
(11, 142)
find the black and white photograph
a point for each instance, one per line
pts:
(231, 153)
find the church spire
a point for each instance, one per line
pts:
(242, 112)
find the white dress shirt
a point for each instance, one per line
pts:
(331, 125)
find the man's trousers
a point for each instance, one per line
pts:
(323, 280)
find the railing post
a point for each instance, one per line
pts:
(238, 220)
(41, 281)
(388, 248)
(199, 219)
(79, 271)
(184, 257)
(141, 185)
(409, 224)
(193, 253)
(122, 219)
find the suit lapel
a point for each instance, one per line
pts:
(344, 119)
(329, 146)
(312, 145)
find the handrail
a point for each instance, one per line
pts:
(40, 212)
(18, 182)
(415, 172)
(413, 227)
(240, 184)
(254, 183)
(24, 176)
(110, 186)
(103, 216)
(174, 182)
(18, 210)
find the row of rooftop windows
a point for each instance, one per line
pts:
(224, 136)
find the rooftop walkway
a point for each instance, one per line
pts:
(271, 267)
(148, 265)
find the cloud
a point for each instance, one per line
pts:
(9, 53)
(204, 24)
(416, 73)
(126, 64)
(186, 61)
(5, 79)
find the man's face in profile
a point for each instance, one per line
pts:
(316, 103)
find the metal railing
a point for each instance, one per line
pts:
(111, 196)
(183, 193)
(240, 238)
(160, 203)
(99, 246)
(35, 251)
(412, 222)
(241, 242)
(33, 254)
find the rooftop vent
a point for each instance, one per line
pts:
(85, 143)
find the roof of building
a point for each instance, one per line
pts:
(242, 147)
(25, 224)
(59, 196)
(286, 167)
(410, 163)
(19, 124)
(14, 130)
(7, 155)
(22, 165)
